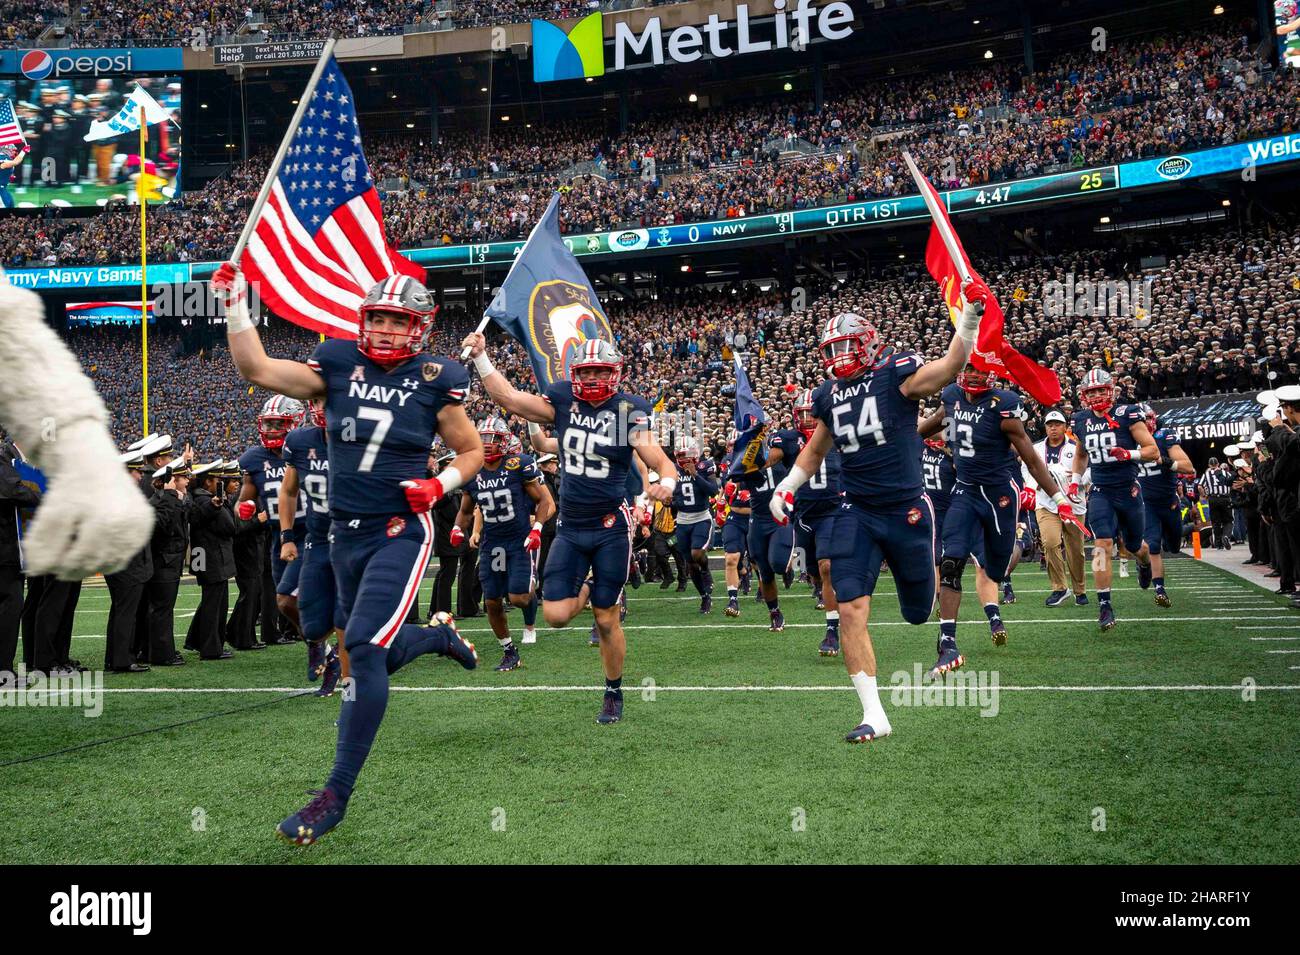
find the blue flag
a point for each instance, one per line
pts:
(749, 454)
(547, 303)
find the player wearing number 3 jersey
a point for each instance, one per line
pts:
(385, 400)
(869, 412)
(598, 428)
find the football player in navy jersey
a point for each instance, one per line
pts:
(815, 507)
(599, 429)
(986, 431)
(771, 543)
(512, 503)
(1163, 530)
(695, 488)
(735, 536)
(263, 466)
(385, 399)
(307, 467)
(868, 410)
(1112, 440)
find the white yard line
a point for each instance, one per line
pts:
(1140, 688)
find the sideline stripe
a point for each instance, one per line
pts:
(776, 688)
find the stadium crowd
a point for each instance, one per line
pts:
(1141, 98)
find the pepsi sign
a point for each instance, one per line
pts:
(54, 64)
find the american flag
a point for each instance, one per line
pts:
(318, 245)
(10, 132)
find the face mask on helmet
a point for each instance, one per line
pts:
(1099, 397)
(844, 356)
(316, 409)
(936, 442)
(272, 430)
(973, 381)
(495, 442)
(595, 381)
(399, 336)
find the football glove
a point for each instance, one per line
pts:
(1120, 454)
(534, 539)
(246, 509)
(1028, 498)
(457, 536)
(781, 505)
(422, 494)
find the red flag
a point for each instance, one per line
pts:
(319, 246)
(992, 352)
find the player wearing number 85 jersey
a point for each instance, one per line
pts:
(599, 428)
(1112, 439)
(385, 400)
(869, 412)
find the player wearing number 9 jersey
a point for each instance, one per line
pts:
(1112, 439)
(771, 543)
(869, 412)
(385, 400)
(598, 428)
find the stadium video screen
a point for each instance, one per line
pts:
(62, 167)
(98, 313)
(1286, 19)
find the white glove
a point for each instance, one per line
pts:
(781, 505)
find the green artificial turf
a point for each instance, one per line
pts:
(1070, 769)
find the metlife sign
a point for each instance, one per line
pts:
(580, 52)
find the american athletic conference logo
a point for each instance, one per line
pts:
(561, 316)
(571, 55)
(36, 64)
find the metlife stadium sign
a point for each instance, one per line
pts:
(580, 51)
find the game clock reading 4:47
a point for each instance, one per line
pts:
(1083, 182)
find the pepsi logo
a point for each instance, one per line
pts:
(37, 64)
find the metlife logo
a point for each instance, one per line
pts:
(580, 52)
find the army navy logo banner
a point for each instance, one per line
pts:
(547, 303)
(1208, 416)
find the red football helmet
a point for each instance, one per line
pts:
(849, 344)
(804, 419)
(975, 381)
(316, 411)
(595, 355)
(495, 434)
(687, 451)
(1097, 391)
(400, 295)
(278, 416)
(1150, 414)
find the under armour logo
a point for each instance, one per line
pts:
(410, 383)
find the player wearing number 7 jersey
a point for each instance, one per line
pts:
(1112, 439)
(869, 412)
(385, 399)
(599, 428)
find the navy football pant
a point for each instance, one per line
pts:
(1118, 514)
(984, 517)
(605, 552)
(770, 547)
(318, 612)
(867, 535)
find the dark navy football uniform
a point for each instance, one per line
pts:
(771, 545)
(735, 531)
(504, 566)
(594, 529)
(1163, 529)
(692, 509)
(815, 507)
(984, 508)
(381, 423)
(266, 470)
(885, 514)
(1115, 500)
(306, 452)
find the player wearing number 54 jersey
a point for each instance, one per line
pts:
(598, 428)
(1112, 439)
(869, 412)
(385, 400)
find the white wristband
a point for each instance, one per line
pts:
(796, 479)
(1059, 498)
(238, 318)
(483, 365)
(537, 525)
(450, 478)
(534, 429)
(669, 483)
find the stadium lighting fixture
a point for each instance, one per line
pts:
(1218, 9)
(988, 54)
(975, 23)
(1105, 220)
(693, 98)
(374, 69)
(1227, 202)
(589, 79)
(203, 106)
(788, 86)
(295, 102)
(505, 119)
(410, 125)
(686, 266)
(482, 89)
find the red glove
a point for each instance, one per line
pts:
(1120, 454)
(225, 280)
(422, 494)
(781, 506)
(1028, 498)
(534, 539)
(1066, 514)
(246, 510)
(1072, 492)
(729, 489)
(457, 535)
(743, 497)
(976, 291)
(646, 516)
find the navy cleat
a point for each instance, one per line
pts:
(949, 659)
(1107, 619)
(458, 648)
(593, 638)
(744, 583)
(706, 603)
(1056, 598)
(1144, 575)
(777, 623)
(1081, 600)
(831, 645)
(1162, 598)
(787, 578)
(864, 733)
(510, 661)
(817, 598)
(733, 607)
(333, 670)
(611, 710)
(315, 660)
(1008, 595)
(313, 820)
(998, 630)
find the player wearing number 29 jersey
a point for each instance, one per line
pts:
(306, 452)
(263, 467)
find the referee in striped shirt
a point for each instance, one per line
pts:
(1216, 485)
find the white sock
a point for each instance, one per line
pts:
(872, 712)
(832, 615)
(504, 641)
